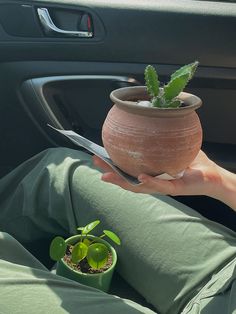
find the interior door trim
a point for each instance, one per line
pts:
(32, 93)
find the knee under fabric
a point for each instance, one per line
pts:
(168, 252)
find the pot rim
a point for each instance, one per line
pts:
(111, 248)
(119, 96)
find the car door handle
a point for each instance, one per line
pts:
(52, 30)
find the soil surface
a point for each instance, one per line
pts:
(83, 265)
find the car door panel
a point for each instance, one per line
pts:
(215, 130)
(149, 31)
(66, 81)
(67, 102)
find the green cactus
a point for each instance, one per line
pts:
(188, 69)
(174, 87)
(152, 81)
(167, 97)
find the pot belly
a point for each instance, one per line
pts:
(152, 145)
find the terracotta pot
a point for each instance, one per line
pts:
(151, 140)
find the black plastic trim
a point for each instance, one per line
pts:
(173, 32)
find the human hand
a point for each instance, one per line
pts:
(199, 178)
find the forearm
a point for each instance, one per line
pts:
(224, 189)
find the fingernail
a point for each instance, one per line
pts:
(141, 178)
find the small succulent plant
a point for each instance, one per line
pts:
(94, 251)
(166, 97)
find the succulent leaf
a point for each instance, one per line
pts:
(174, 104)
(174, 87)
(57, 248)
(79, 252)
(112, 236)
(157, 102)
(80, 229)
(97, 255)
(89, 227)
(151, 80)
(87, 242)
(188, 69)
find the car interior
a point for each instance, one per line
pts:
(60, 59)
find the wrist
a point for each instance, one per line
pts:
(223, 187)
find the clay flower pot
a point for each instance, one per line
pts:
(151, 140)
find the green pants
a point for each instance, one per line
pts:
(179, 261)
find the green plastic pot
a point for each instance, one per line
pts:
(100, 281)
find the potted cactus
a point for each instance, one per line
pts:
(86, 258)
(153, 129)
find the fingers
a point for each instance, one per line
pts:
(109, 175)
(192, 183)
(114, 178)
(148, 184)
(155, 185)
(101, 164)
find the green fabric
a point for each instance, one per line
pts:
(169, 253)
(26, 287)
(218, 295)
